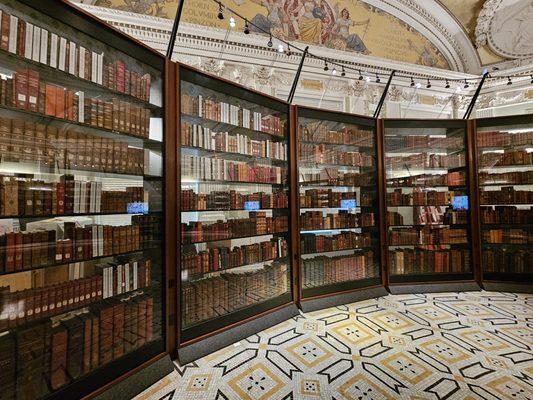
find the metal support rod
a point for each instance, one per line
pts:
(174, 32)
(297, 77)
(384, 95)
(474, 99)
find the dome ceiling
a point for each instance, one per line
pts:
(435, 33)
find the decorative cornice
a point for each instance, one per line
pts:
(483, 21)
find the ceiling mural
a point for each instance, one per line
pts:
(350, 25)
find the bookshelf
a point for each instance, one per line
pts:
(234, 219)
(428, 202)
(505, 180)
(81, 212)
(338, 205)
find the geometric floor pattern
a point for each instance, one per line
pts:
(470, 345)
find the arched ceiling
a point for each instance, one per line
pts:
(435, 33)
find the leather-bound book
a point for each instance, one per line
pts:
(8, 364)
(33, 90)
(75, 346)
(50, 100)
(21, 88)
(60, 105)
(118, 329)
(58, 362)
(18, 251)
(86, 321)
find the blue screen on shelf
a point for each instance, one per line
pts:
(348, 203)
(137, 208)
(460, 203)
(251, 205)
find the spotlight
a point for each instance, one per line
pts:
(325, 65)
(418, 85)
(377, 78)
(334, 71)
(246, 29)
(232, 22)
(509, 81)
(531, 76)
(447, 84)
(343, 73)
(269, 44)
(367, 79)
(220, 11)
(412, 82)
(289, 53)
(429, 84)
(458, 90)
(280, 48)
(466, 85)
(360, 75)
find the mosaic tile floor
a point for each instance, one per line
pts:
(475, 345)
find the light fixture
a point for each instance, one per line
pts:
(334, 71)
(377, 78)
(232, 22)
(466, 85)
(531, 76)
(509, 81)
(447, 84)
(418, 85)
(325, 65)
(367, 79)
(280, 48)
(360, 75)
(289, 53)
(458, 90)
(269, 44)
(412, 82)
(246, 29)
(220, 11)
(343, 72)
(428, 84)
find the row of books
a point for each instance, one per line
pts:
(43, 356)
(323, 270)
(507, 261)
(417, 261)
(428, 216)
(324, 198)
(311, 220)
(232, 200)
(319, 132)
(43, 46)
(411, 142)
(194, 135)
(509, 236)
(210, 168)
(21, 307)
(427, 236)
(426, 160)
(506, 195)
(222, 294)
(67, 147)
(505, 215)
(333, 177)
(456, 178)
(223, 257)
(500, 139)
(34, 197)
(506, 178)
(30, 249)
(320, 154)
(509, 158)
(311, 243)
(257, 224)
(26, 91)
(210, 108)
(419, 198)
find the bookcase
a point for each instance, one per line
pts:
(505, 180)
(234, 223)
(81, 170)
(428, 203)
(338, 204)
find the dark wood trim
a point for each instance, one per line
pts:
(504, 120)
(170, 202)
(382, 190)
(177, 202)
(238, 323)
(294, 198)
(340, 292)
(341, 116)
(427, 123)
(473, 188)
(108, 385)
(426, 282)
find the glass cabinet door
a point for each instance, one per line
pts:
(427, 200)
(339, 234)
(505, 179)
(80, 206)
(234, 217)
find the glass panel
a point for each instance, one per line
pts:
(505, 163)
(339, 237)
(234, 203)
(80, 204)
(427, 200)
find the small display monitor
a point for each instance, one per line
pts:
(460, 203)
(137, 208)
(251, 205)
(348, 203)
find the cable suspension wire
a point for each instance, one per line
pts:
(344, 66)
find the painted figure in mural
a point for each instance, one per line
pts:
(148, 7)
(309, 21)
(276, 21)
(424, 55)
(341, 31)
